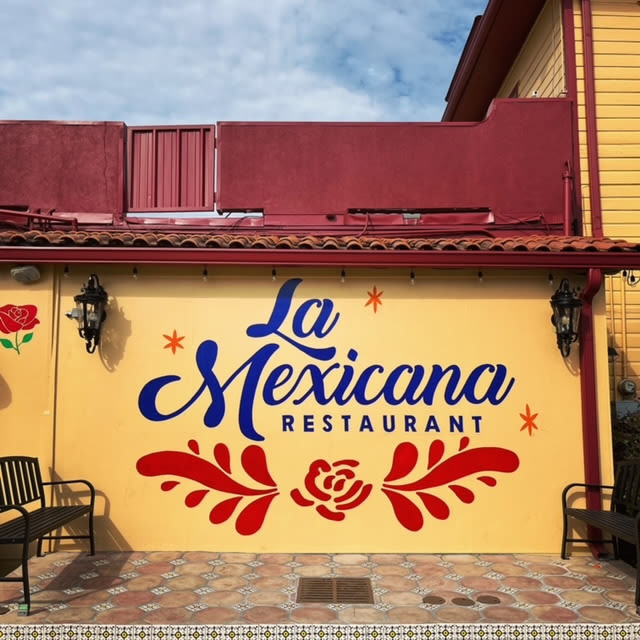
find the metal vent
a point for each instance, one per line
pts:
(335, 590)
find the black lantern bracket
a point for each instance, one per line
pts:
(90, 311)
(567, 307)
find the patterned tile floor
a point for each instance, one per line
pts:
(131, 588)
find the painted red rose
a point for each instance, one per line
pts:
(15, 317)
(332, 488)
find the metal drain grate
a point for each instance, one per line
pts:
(335, 590)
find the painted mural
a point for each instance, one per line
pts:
(331, 487)
(308, 413)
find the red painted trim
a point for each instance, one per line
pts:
(591, 120)
(589, 392)
(570, 71)
(609, 260)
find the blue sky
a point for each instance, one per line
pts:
(201, 61)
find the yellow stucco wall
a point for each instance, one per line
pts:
(28, 372)
(469, 474)
(538, 71)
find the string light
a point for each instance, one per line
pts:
(134, 273)
(205, 274)
(480, 276)
(412, 277)
(343, 276)
(551, 279)
(274, 275)
(65, 273)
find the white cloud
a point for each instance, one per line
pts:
(200, 61)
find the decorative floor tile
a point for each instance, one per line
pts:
(139, 562)
(475, 604)
(115, 590)
(47, 576)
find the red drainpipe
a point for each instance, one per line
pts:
(588, 387)
(588, 381)
(573, 210)
(591, 120)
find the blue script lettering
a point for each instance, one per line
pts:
(320, 381)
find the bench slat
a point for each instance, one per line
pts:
(618, 524)
(41, 522)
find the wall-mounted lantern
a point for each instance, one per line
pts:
(90, 311)
(566, 316)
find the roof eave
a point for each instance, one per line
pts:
(491, 49)
(580, 260)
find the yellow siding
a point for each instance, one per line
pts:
(539, 68)
(616, 42)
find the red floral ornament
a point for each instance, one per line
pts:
(333, 489)
(441, 473)
(218, 477)
(15, 318)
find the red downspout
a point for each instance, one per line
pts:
(567, 180)
(591, 120)
(588, 369)
(588, 387)
(572, 225)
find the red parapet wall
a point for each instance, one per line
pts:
(499, 175)
(69, 167)
(511, 165)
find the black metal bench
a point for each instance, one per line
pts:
(622, 521)
(21, 491)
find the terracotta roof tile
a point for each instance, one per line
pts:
(152, 238)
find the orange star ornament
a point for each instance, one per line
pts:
(529, 420)
(174, 341)
(374, 299)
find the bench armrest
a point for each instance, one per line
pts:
(24, 514)
(15, 507)
(585, 485)
(89, 486)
